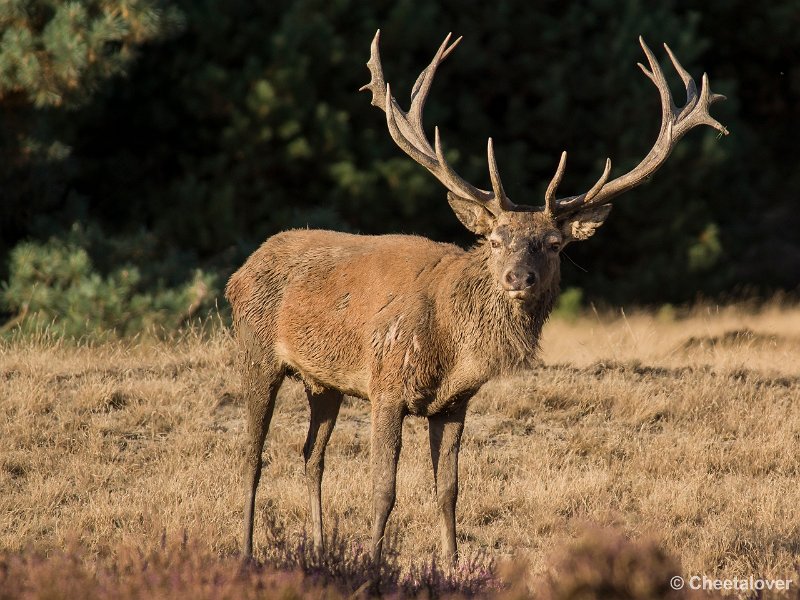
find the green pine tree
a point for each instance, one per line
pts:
(54, 57)
(56, 53)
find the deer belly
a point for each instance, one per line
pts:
(325, 351)
(324, 367)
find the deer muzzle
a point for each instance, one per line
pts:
(518, 282)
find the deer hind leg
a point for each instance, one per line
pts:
(386, 438)
(261, 388)
(444, 431)
(324, 410)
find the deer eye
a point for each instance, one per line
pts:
(553, 244)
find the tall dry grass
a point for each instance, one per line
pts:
(680, 430)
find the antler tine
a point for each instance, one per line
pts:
(675, 123)
(497, 185)
(595, 189)
(695, 112)
(688, 82)
(406, 129)
(550, 205)
(376, 83)
(419, 93)
(656, 75)
(705, 98)
(699, 114)
(687, 79)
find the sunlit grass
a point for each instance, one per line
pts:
(678, 429)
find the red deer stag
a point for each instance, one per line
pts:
(413, 325)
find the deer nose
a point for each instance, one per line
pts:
(518, 279)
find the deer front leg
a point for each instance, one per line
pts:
(386, 434)
(444, 430)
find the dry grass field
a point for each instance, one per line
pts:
(681, 430)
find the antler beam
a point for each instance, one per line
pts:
(407, 130)
(675, 123)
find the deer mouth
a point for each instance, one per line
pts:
(520, 295)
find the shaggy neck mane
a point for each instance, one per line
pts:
(506, 331)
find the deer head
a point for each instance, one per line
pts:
(524, 241)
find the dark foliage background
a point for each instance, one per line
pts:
(157, 143)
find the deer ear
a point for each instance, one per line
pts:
(473, 216)
(582, 225)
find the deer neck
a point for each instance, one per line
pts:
(503, 334)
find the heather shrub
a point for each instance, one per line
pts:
(349, 566)
(175, 572)
(602, 564)
(605, 564)
(183, 569)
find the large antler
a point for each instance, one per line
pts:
(407, 131)
(675, 122)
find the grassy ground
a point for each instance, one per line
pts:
(681, 430)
